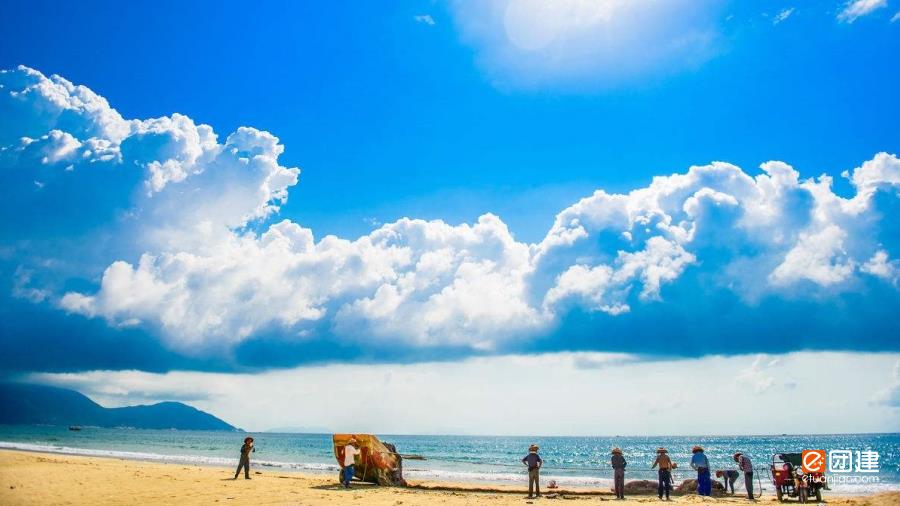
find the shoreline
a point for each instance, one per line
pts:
(32, 477)
(573, 465)
(450, 480)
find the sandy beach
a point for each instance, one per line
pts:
(44, 479)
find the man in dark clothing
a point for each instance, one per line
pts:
(245, 458)
(534, 462)
(618, 464)
(728, 476)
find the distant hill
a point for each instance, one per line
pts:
(27, 404)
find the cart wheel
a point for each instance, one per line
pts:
(778, 493)
(818, 494)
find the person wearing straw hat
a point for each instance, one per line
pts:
(534, 463)
(665, 472)
(701, 464)
(746, 466)
(351, 450)
(244, 462)
(618, 464)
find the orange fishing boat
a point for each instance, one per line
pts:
(377, 462)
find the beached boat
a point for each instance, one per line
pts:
(377, 462)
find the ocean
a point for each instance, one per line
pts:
(571, 461)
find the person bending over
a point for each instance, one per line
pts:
(728, 477)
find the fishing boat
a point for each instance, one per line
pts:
(377, 462)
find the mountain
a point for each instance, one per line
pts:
(27, 404)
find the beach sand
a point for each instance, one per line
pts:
(48, 479)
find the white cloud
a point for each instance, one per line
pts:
(573, 43)
(895, 17)
(201, 263)
(23, 290)
(818, 257)
(782, 15)
(606, 288)
(614, 394)
(890, 395)
(424, 18)
(882, 266)
(169, 148)
(855, 9)
(882, 170)
(764, 374)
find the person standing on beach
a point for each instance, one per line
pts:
(728, 476)
(348, 469)
(244, 463)
(534, 463)
(665, 472)
(746, 466)
(618, 464)
(701, 464)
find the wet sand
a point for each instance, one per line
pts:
(49, 479)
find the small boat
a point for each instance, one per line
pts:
(378, 462)
(74, 427)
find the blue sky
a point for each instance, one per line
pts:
(405, 108)
(244, 188)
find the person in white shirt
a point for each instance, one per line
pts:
(350, 453)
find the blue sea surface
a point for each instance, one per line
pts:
(571, 461)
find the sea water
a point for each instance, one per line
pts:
(571, 461)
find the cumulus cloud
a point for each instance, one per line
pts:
(201, 261)
(879, 265)
(606, 287)
(818, 257)
(855, 9)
